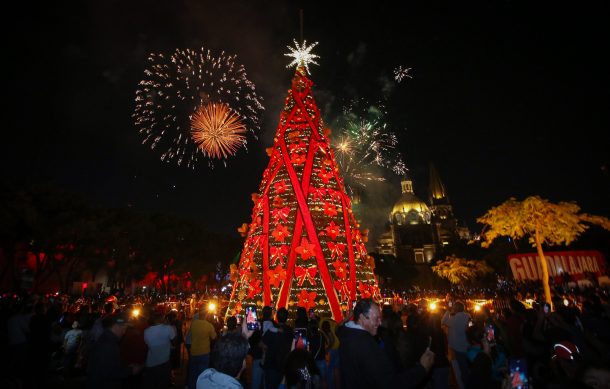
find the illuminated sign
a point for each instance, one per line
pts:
(526, 266)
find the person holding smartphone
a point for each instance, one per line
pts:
(278, 346)
(487, 363)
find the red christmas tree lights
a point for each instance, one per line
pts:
(303, 247)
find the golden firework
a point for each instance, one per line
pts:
(217, 131)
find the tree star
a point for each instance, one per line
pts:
(302, 55)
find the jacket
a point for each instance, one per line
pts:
(278, 347)
(364, 364)
(105, 370)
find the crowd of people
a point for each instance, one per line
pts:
(133, 342)
(60, 338)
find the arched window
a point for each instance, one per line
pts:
(399, 218)
(413, 217)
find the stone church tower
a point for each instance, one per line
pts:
(418, 231)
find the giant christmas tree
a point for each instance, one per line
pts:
(303, 247)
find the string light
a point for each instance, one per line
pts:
(301, 152)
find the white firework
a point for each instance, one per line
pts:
(401, 73)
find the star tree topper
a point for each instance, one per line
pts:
(302, 55)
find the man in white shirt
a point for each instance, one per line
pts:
(158, 337)
(457, 324)
(72, 340)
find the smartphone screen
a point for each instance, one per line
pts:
(518, 374)
(251, 319)
(300, 338)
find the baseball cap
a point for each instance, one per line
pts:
(565, 350)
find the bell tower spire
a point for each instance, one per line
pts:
(438, 194)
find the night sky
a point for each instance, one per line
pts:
(507, 98)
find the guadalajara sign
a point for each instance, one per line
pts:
(526, 266)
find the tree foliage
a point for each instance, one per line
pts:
(458, 270)
(69, 236)
(555, 223)
(541, 222)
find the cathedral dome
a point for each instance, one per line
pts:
(409, 209)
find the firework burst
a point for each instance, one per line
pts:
(172, 99)
(401, 73)
(217, 131)
(365, 147)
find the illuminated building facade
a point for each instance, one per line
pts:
(418, 231)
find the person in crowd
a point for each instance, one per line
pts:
(277, 346)
(268, 324)
(483, 365)
(192, 304)
(133, 347)
(256, 354)
(332, 369)
(98, 326)
(232, 327)
(84, 317)
(386, 312)
(39, 350)
(566, 366)
(301, 371)
(71, 343)
(596, 327)
(417, 336)
(174, 319)
(456, 321)
(18, 329)
(514, 327)
(87, 317)
(301, 321)
(394, 342)
(501, 333)
(438, 345)
(201, 333)
(404, 314)
(228, 361)
(105, 369)
(318, 343)
(158, 337)
(363, 363)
